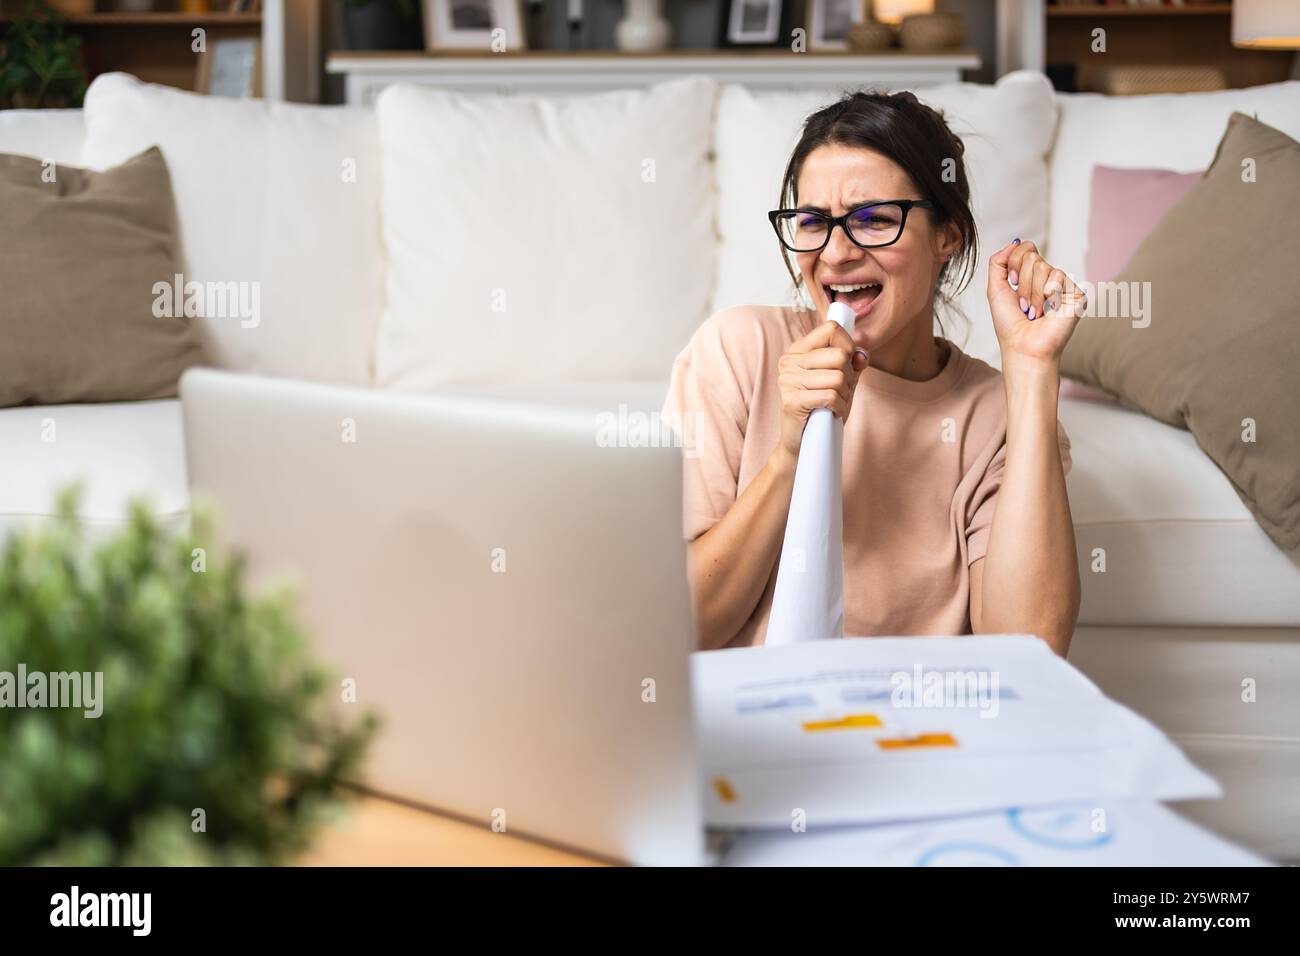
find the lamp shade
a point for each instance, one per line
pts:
(1266, 24)
(893, 11)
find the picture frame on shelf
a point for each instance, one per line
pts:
(469, 24)
(752, 22)
(829, 22)
(231, 66)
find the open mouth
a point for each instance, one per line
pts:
(859, 296)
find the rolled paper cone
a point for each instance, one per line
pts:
(808, 603)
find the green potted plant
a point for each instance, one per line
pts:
(40, 66)
(383, 25)
(192, 726)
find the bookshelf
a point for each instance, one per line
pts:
(157, 45)
(1196, 34)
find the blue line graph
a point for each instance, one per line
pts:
(1062, 828)
(971, 854)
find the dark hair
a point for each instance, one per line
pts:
(917, 138)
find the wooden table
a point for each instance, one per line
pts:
(381, 832)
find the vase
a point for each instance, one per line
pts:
(643, 28)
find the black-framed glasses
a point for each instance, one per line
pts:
(870, 225)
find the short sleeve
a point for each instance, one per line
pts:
(985, 499)
(709, 418)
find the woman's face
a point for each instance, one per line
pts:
(902, 276)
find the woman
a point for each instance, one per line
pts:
(955, 511)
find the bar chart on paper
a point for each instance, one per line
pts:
(888, 729)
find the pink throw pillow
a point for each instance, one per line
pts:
(1077, 391)
(1126, 205)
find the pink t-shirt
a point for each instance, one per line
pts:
(923, 463)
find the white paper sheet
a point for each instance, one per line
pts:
(808, 601)
(1089, 833)
(870, 730)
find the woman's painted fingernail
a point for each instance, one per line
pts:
(1024, 304)
(1015, 240)
(1013, 277)
(862, 352)
(1033, 313)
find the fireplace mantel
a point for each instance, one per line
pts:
(596, 70)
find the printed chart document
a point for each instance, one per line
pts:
(808, 601)
(1088, 833)
(870, 730)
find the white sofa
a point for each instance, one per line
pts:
(1194, 600)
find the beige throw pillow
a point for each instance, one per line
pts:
(1210, 341)
(84, 253)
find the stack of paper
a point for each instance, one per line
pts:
(831, 733)
(1089, 833)
(808, 601)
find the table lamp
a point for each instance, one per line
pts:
(893, 11)
(1267, 25)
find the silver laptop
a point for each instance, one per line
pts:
(508, 593)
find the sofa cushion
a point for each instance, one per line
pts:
(43, 134)
(279, 195)
(1005, 128)
(118, 451)
(1162, 537)
(1175, 131)
(1179, 546)
(1201, 360)
(1126, 205)
(536, 239)
(85, 256)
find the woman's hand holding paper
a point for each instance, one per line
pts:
(819, 370)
